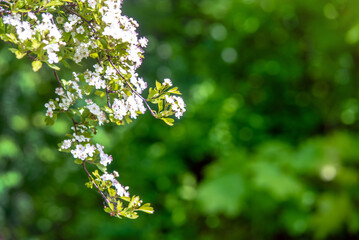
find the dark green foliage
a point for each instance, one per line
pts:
(268, 147)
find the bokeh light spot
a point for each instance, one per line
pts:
(229, 55)
(330, 11)
(218, 32)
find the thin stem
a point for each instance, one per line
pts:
(98, 189)
(132, 90)
(75, 123)
(108, 97)
(57, 78)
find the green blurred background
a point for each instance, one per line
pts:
(268, 147)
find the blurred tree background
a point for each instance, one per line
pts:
(268, 147)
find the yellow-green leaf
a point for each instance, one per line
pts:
(168, 121)
(158, 85)
(146, 208)
(36, 65)
(19, 54)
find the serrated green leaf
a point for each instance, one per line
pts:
(36, 65)
(146, 208)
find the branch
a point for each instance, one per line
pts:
(132, 90)
(108, 97)
(58, 79)
(98, 189)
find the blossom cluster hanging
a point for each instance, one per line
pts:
(60, 32)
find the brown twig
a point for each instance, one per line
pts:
(98, 189)
(57, 78)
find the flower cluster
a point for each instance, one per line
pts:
(110, 92)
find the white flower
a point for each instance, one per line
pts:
(143, 42)
(107, 177)
(59, 91)
(49, 113)
(32, 15)
(80, 30)
(24, 31)
(51, 49)
(66, 144)
(167, 81)
(68, 27)
(90, 149)
(92, 3)
(50, 105)
(46, 17)
(177, 105)
(94, 108)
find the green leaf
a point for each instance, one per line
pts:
(146, 208)
(54, 3)
(66, 64)
(158, 85)
(96, 174)
(87, 89)
(112, 192)
(78, 161)
(101, 167)
(89, 184)
(160, 105)
(53, 66)
(127, 199)
(100, 93)
(174, 91)
(128, 119)
(36, 65)
(49, 121)
(19, 54)
(94, 55)
(168, 121)
(151, 94)
(107, 209)
(134, 201)
(13, 50)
